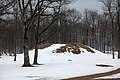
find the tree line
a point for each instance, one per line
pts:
(25, 25)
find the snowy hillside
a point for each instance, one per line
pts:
(56, 65)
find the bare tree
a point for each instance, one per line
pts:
(52, 16)
(118, 26)
(109, 8)
(29, 13)
(27, 21)
(5, 6)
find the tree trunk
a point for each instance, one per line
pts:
(104, 41)
(15, 51)
(113, 46)
(118, 25)
(119, 41)
(113, 38)
(15, 40)
(36, 47)
(36, 54)
(25, 48)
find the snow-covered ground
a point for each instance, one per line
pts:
(110, 76)
(56, 65)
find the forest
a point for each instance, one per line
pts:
(26, 24)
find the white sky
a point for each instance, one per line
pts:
(80, 5)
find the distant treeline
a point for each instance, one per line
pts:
(98, 30)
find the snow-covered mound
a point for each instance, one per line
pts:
(56, 65)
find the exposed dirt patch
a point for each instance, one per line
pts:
(41, 78)
(85, 47)
(32, 76)
(73, 47)
(103, 65)
(68, 48)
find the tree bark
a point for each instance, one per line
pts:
(25, 48)
(36, 55)
(36, 46)
(118, 25)
(15, 54)
(119, 43)
(113, 42)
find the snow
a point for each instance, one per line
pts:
(56, 65)
(110, 76)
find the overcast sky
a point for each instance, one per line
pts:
(80, 5)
